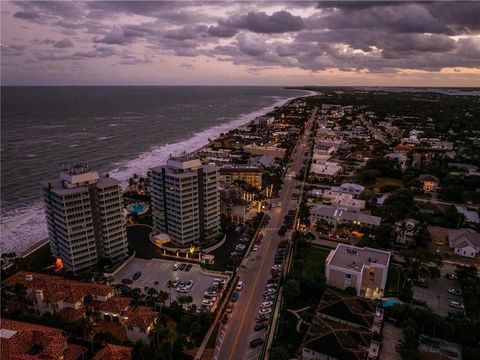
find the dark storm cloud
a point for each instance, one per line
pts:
(260, 22)
(62, 44)
(376, 36)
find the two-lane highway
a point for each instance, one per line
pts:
(240, 331)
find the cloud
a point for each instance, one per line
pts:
(116, 37)
(13, 50)
(64, 43)
(251, 44)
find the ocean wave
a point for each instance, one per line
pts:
(26, 226)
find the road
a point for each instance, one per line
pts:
(240, 329)
(377, 134)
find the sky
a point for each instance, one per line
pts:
(326, 43)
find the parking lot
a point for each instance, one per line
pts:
(436, 295)
(161, 271)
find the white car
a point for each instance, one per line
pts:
(240, 285)
(176, 266)
(271, 286)
(456, 305)
(270, 292)
(264, 311)
(255, 247)
(277, 267)
(189, 284)
(267, 304)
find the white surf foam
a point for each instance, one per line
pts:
(26, 226)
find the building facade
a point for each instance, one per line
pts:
(84, 218)
(252, 175)
(185, 200)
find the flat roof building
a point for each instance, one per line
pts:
(339, 215)
(186, 200)
(84, 218)
(364, 269)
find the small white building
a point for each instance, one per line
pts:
(349, 188)
(364, 269)
(464, 242)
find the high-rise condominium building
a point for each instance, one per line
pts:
(185, 200)
(84, 218)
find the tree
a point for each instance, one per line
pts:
(292, 291)
(384, 236)
(279, 352)
(182, 299)
(163, 296)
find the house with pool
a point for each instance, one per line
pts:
(364, 269)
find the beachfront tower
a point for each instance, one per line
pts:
(84, 218)
(186, 200)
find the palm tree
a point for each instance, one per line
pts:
(188, 300)
(152, 294)
(182, 299)
(163, 296)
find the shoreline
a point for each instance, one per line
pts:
(33, 215)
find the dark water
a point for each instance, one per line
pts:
(120, 130)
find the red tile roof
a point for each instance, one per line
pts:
(57, 289)
(115, 305)
(113, 352)
(73, 352)
(48, 342)
(140, 316)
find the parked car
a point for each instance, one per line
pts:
(137, 275)
(269, 297)
(454, 292)
(230, 308)
(189, 267)
(189, 284)
(264, 311)
(456, 314)
(271, 286)
(240, 285)
(183, 266)
(234, 297)
(256, 342)
(450, 276)
(260, 326)
(261, 318)
(272, 281)
(225, 319)
(267, 304)
(456, 305)
(176, 266)
(127, 281)
(255, 248)
(175, 283)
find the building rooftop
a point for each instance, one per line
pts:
(140, 316)
(230, 168)
(336, 340)
(56, 289)
(21, 340)
(463, 237)
(339, 213)
(113, 352)
(354, 258)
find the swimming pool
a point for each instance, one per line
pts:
(138, 208)
(388, 303)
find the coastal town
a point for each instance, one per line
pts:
(342, 225)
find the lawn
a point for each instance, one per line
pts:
(315, 260)
(394, 279)
(388, 181)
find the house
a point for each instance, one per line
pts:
(405, 231)
(231, 173)
(263, 162)
(349, 188)
(53, 294)
(265, 150)
(362, 155)
(336, 215)
(233, 204)
(464, 242)
(364, 269)
(399, 157)
(325, 170)
(342, 200)
(470, 216)
(21, 340)
(342, 328)
(429, 182)
(137, 320)
(114, 352)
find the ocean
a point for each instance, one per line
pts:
(116, 130)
